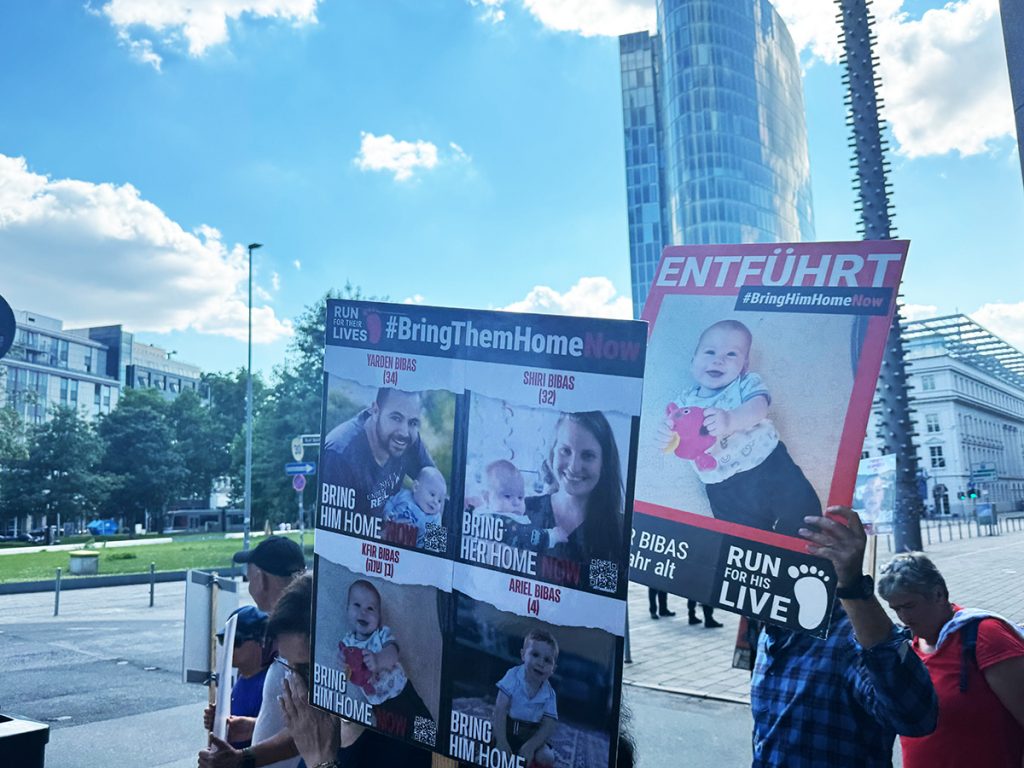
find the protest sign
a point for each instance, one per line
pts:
(762, 367)
(874, 497)
(474, 495)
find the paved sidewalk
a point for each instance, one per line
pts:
(670, 655)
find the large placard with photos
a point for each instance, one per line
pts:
(763, 361)
(473, 503)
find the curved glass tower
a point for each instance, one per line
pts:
(715, 138)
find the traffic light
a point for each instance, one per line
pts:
(961, 495)
(972, 491)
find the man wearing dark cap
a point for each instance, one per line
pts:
(250, 658)
(271, 566)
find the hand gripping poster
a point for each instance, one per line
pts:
(762, 365)
(473, 510)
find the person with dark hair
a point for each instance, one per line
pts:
(976, 662)
(271, 566)
(324, 740)
(374, 450)
(583, 517)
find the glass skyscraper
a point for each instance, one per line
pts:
(715, 138)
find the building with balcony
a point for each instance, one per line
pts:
(83, 368)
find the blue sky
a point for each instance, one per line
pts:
(459, 152)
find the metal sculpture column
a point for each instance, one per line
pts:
(857, 39)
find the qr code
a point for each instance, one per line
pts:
(436, 538)
(604, 575)
(424, 730)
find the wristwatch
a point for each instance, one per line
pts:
(862, 589)
(248, 759)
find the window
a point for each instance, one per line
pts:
(927, 383)
(931, 421)
(938, 461)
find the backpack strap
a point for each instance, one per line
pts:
(968, 658)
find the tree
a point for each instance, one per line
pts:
(203, 453)
(291, 407)
(60, 477)
(141, 452)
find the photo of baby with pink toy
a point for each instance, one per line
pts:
(745, 433)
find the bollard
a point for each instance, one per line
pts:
(152, 582)
(940, 532)
(56, 594)
(928, 532)
(959, 530)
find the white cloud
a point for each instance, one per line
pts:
(1004, 320)
(458, 153)
(275, 280)
(202, 23)
(918, 311)
(297, 264)
(120, 260)
(414, 299)
(590, 297)
(403, 158)
(492, 10)
(594, 17)
(944, 79)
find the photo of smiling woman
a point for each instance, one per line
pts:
(550, 483)
(582, 515)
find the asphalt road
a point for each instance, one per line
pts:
(105, 676)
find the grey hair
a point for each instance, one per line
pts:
(910, 572)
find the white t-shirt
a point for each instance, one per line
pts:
(741, 450)
(270, 720)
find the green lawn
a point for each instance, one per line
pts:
(184, 552)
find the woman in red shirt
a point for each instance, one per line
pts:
(976, 662)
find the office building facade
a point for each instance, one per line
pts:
(83, 368)
(967, 398)
(714, 130)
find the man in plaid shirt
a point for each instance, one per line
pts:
(841, 701)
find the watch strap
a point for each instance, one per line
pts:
(862, 589)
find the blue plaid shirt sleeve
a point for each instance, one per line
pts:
(896, 688)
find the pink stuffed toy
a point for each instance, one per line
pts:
(691, 440)
(355, 668)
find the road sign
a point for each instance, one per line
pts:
(984, 471)
(297, 449)
(299, 482)
(300, 468)
(310, 441)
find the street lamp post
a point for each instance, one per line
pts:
(247, 519)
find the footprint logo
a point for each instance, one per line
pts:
(810, 593)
